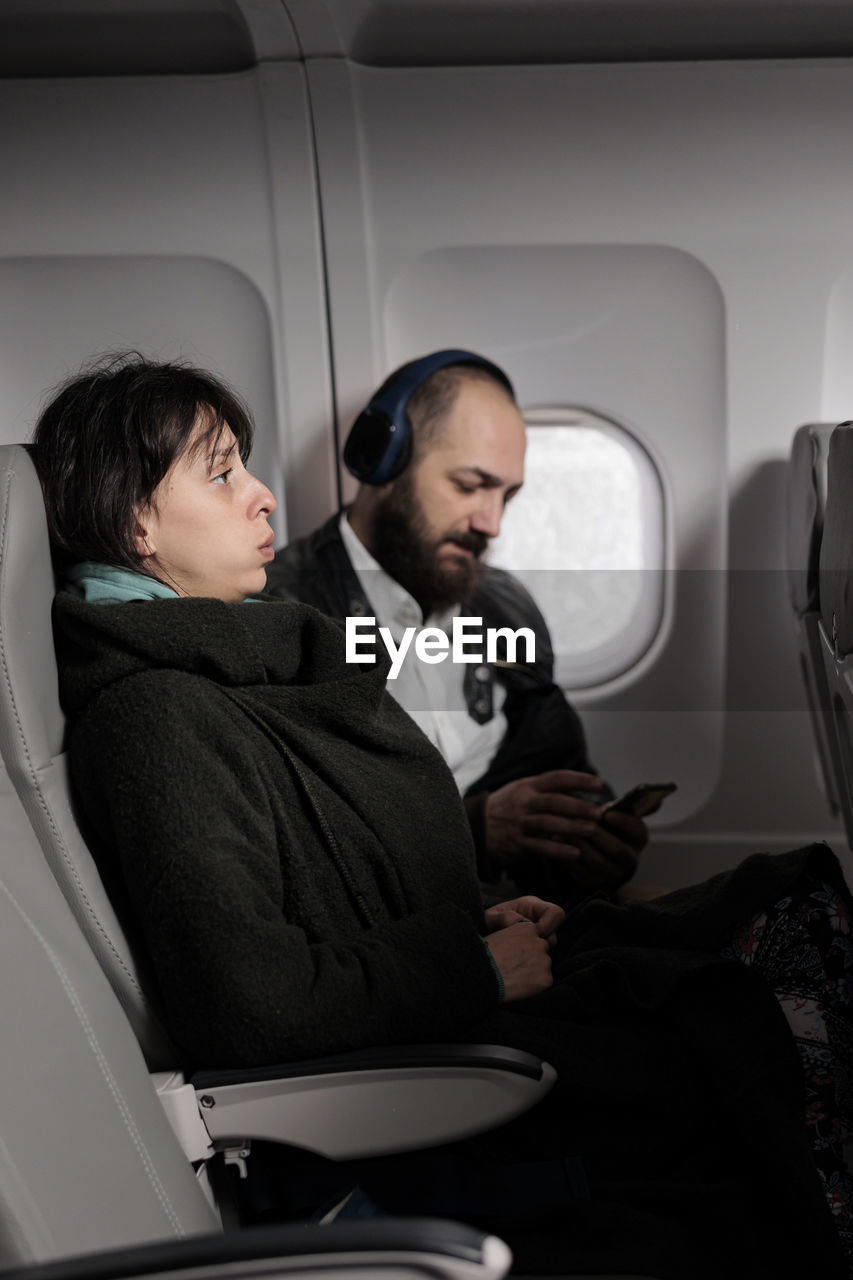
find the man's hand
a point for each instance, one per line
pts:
(536, 816)
(523, 958)
(608, 857)
(546, 916)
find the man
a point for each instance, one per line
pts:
(440, 451)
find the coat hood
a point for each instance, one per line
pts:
(269, 642)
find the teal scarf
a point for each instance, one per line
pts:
(104, 584)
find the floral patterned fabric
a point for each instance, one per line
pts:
(803, 947)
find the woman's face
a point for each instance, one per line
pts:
(205, 531)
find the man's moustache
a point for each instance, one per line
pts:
(474, 542)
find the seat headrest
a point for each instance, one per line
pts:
(26, 594)
(32, 733)
(836, 553)
(806, 503)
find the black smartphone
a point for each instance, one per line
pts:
(642, 800)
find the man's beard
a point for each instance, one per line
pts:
(404, 548)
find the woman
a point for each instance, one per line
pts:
(300, 865)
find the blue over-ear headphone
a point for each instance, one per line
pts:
(380, 441)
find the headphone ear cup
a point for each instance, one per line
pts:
(379, 444)
(377, 449)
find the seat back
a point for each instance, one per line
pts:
(32, 731)
(836, 611)
(90, 1169)
(807, 484)
(88, 1160)
(807, 481)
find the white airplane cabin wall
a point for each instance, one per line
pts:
(662, 243)
(175, 214)
(667, 244)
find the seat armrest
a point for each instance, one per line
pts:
(379, 1247)
(374, 1102)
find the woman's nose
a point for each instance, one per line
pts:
(263, 500)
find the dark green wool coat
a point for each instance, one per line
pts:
(275, 816)
(299, 862)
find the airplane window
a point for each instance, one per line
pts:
(586, 535)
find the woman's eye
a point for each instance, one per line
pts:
(465, 488)
(222, 478)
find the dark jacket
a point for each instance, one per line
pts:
(314, 902)
(299, 863)
(543, 730)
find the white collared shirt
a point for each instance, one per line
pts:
(432, 693)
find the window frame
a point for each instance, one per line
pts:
(602, 669)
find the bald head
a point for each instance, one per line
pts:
(431, 404)
(429, 527)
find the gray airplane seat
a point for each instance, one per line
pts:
(87, 1157)
(32, 729)
(346, 1106)
(836, 612)
(93, 1182)
(96, 1151)
(807, 471)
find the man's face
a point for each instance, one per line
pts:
(437, 519)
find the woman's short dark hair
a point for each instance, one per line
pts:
(108, 437)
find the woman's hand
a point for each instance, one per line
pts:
(523, 958)
(546, 916)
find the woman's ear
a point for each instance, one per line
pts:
(141, 535)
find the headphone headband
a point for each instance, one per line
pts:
(379, 444)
